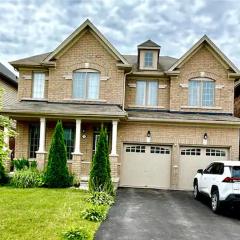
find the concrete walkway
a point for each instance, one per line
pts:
(146, 214)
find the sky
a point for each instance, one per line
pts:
(30, 27)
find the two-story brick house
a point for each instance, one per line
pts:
(166, 117)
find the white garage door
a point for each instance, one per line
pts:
(146, 166)
(194, 158)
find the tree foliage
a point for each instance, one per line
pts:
(57, 174)
(5, 123)
(100, 174)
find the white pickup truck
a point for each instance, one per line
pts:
(220, 181)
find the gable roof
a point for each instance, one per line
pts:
(8, 75)
(85, 25)
(148, 43)
(205, 39)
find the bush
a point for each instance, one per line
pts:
(95, 213)
(76, 234)
(101, 198)
(57, 174)
(3, 176)
(100, 173)
(27, 178)
(20, 164)
(33, 164)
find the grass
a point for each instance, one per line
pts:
(40, 213)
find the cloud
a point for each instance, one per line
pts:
(35, 26)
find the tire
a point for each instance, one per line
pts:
(196, 193)
(215, 202)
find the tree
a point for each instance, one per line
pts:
(5, 123)
(100, 174)
(56, 174)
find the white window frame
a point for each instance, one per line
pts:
(192, 94)
(148, 59)
(38, 89)
(146, 99)
(86, 85)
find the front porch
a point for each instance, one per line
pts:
(81, 135)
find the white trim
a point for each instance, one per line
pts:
(144, 107)
(132, 85)
(27, 77)
(184, 85)
(114, 138)
(199, 107)
(219, 86)
(68, 76)
(104, 78)
(42, 135)
(77, 149)
(162, 86)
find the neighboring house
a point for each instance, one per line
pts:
(166, 117)
(9, 84)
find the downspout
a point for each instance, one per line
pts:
(124, 88)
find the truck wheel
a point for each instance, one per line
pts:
(196, 193)
(215, 203)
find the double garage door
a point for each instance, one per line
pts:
(150, 166)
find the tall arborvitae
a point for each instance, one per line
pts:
(57, 174)
(100, 174)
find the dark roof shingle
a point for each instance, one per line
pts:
(8, 74)
(148, 43)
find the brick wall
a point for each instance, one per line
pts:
(203, 61)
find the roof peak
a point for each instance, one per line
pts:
(149, 43)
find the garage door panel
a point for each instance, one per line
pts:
(148, 168)
(194, 158)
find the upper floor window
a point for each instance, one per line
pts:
(148, 59)
(86, 84)
(38, 85)
(201, 92)
(147, 93)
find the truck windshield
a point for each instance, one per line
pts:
(236, 171)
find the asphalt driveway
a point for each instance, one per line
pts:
(146, 214)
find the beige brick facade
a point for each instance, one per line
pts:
(87, 52)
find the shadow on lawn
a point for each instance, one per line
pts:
(227, 211)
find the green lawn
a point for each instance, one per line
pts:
(41, 213)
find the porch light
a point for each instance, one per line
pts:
(205, 138)
(84, 134)
(148, 134)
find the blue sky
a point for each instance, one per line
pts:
(30, 27)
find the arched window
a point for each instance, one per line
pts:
(86, 83)
(201, 92)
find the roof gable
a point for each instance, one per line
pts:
(196, 46)
(86, 25)
(148, 43)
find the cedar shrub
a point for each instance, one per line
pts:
(100, 173)
(56, 174)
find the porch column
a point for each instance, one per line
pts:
(41, 154)
(77, 155)
(114, 138)
(114, 156)
(42, 135)
(77, 137)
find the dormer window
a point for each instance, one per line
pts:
(148, 55)
(148, 59)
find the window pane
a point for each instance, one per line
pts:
(69, 137)
(152, 93)
(34, 135)
(208, 93)
(194, 93)
(93, 85)
(38, 85)
(141, 93)
(79, 85)
(148, 59)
